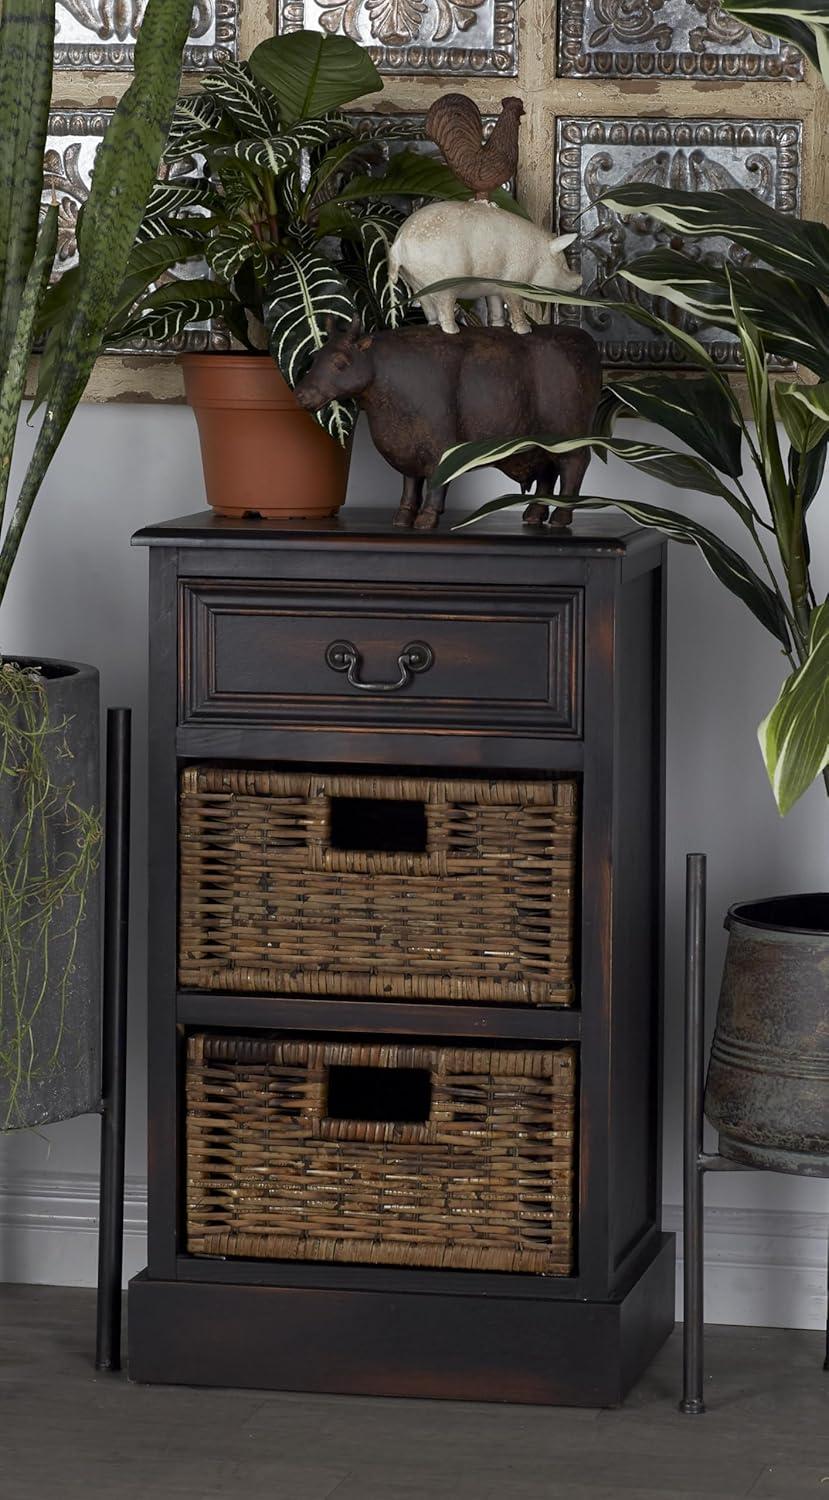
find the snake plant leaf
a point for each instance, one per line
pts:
(693, 409)
(249, 108)
(274, 153)
(794, 736)
(728, 566)
(27, 30)
(377, 232)
(798, 247)
(234, 246)
(304, 293)
(13, 379)
(125, 168)
(804, 412)
(804, 23)
(166, 312)
(198, 123)
(792, 318)
(308, 73)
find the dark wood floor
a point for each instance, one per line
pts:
(66, 1433)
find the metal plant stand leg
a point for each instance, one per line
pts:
(114, 1039)
(692, 1403)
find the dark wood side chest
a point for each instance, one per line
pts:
(296, 659)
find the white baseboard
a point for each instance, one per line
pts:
(762, 1268)
(49, 1229)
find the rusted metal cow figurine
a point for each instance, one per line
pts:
(423, 391)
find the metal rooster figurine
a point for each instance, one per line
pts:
(454, 124)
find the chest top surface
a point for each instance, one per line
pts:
(607, 534)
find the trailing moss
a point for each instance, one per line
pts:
(49, 850)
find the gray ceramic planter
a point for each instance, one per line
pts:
(50, 1002)
(768, 1079)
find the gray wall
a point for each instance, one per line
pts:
(80, 591)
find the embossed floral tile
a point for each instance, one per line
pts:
(595, 154)
(71, 143)
(456, 37)
(666, 38)
(100, 34)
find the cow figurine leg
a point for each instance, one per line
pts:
(409, 503)
(431, 510)
(538, 509)
(572, 469)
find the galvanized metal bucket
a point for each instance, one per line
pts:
(768, 1078)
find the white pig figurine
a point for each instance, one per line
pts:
(482, 244)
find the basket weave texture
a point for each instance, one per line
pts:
(269, 905)
(485, 1182)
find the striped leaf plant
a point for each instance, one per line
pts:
(281, 209)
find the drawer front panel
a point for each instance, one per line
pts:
(377, 886)
(266, 653)
(374, 1152)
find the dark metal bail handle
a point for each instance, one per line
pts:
(342, 656)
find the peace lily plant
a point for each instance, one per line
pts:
(777, 304)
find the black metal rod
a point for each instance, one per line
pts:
(114, 1039)
(826, 1359)
(692, 1403)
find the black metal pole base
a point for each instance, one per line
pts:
(114, 1040)
(692, 1406)
(692, 1403)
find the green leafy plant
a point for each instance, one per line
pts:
(39, 896)
(774, 578)
(291, 209)
(774, 298)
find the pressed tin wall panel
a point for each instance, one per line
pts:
(595, 154)
(101, 34)
(633, 81)
(671, 38)
(443, 37)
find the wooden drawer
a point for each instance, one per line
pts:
(425, 658)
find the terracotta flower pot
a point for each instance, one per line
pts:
(262, 454)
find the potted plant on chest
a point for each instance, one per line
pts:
(49, 750)
(767, 1088)
(285, 209)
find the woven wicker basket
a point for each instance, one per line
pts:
(477, 1174)
(477, 904)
